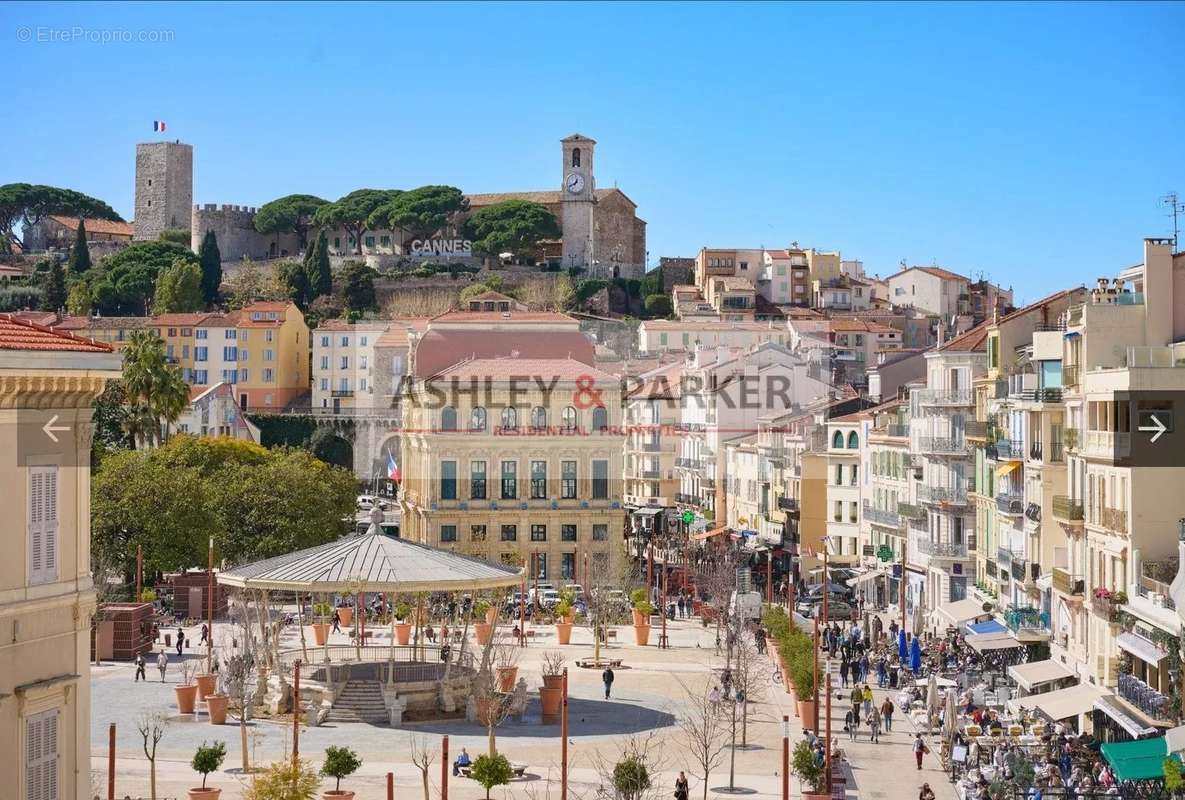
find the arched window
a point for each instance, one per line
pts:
(853, 441)
(568, 418)
(601, 418)
(538, 417)
(837, 441)
(477, 419)
(576, 156)
(448, 418)
(509, 418)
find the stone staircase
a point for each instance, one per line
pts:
(360, 701)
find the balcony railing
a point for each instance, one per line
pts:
(942, 549)
(1018, 619)
(945, 397)
(1006, 450)
(651, 446)
(880, 516)
(1143, 696)
(341, 393)
(1070, 375)
(1067, 508)
(788, 503)
(687, 463)
(941, 494)
(911, 511)
(651, 474)
(976, 428)
(1106, 607)
(1067, 583)
(689, 499)
(1033, 512)
(897, 429)
(1036, 450)
(1113, 519)
(943, 445)
(1049, 395)
(1010, 504)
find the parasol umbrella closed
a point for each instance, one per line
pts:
(918, 620)
(915, 656)
(902, 653)
(948, 724)
(932, 700)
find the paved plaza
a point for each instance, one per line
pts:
(648, 695)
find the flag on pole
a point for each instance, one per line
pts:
(158, 125)
(392, 467)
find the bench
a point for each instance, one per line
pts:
(519, 770)
(588, 663)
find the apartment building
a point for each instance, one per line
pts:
(520, 469)
(273, 355)
(785, 277)
(216, 412)
(846, 436)
(47, 599)
(931, 289)
(843, 293)
(345, 362)
(651, 417)
(115, 331)
(659, 335)
(888, 506)
(215, 352)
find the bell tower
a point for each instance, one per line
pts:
(577, 200)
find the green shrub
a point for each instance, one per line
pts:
(631, 778)
(340, 762)
(806, 769)
(402, 612)
(480, 607)
(147, 596)
(285, 780)
(490, 771)
(208, 758)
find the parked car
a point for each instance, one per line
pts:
(368, 501)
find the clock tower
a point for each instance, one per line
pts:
(577, 201)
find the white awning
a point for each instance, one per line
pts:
(1122, 718)
(960, 611)
(1175, 739)
(1044, 582)
(982, 642)
(865, 578)
(1064, 703)
(1140, 647)
(1035, 673)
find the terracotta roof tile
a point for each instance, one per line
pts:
(971, 341)
(188, 318)
(101, 323)
(565, 370)
(498, 316)
(437, 350)
(96, 225)
(18, 334)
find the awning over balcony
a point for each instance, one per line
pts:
(1004, 469)
(1122, 718)
(960, 611)
(1035, 673)
(1064, 703)
(1140, 760)
(1140, 647)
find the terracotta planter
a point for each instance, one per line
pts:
(553, 681)
(403, 632)
(321, 633)
(568, 618)
(642, 634)
(806, 712)
(563, 631)
(186, 698)
(551, 699)
(205, 685)
(507, 677)
(216, 707)
(639, 617)
(813, 796)
(491, 615)
(346, 615)
(205, 794)
(484, 631)
(334, 794)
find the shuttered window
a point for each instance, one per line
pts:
(41, 756)
(43, 524)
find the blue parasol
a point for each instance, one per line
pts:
(915, 656)
(902, 653)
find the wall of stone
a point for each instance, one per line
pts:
(676, 271)
(164, 188)
(234, 227)
(617, 241)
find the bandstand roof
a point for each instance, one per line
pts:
(372, 562)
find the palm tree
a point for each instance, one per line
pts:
(157, 391)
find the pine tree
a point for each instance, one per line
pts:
(80, 254)
(55, 288)
(211, 261)
(320, 277)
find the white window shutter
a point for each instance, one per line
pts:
(49, 524)
(33, 758)
(36, 512)
(49, 754)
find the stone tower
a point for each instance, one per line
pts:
(577, 200)
(164, 188)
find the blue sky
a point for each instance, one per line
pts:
(1028, 142)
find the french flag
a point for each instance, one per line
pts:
(158, 125)
(393, 472)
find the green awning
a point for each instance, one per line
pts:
(1140, 760)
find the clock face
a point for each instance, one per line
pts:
(574, 183)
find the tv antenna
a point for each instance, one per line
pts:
(1176, 208)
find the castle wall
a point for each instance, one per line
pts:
(164, 188)
(234, 227)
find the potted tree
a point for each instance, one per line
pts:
(637, 598)
(490, 771)
(187, 692)
(552, 693)
(483, 630)
(809, 772)
(345, 613)
(207, 759)
(643, 608)
(563, 616)
(339, 762)
(507, 668)
(216, 705)
(288, 779)
(402, 627)
(802, 673)
(321, 629)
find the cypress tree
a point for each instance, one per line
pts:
(80, 253)
(55, 288)
(211, 262)
(320, 277)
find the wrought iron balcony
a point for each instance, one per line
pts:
(651, 474)
(341, 393)
(942, 549)
(1067, 508)
(911, 511)
(1033, 512)
(881, 516)
(946, 397)
(943, 445)
(1049, 395)
(1113, 519)
(942, 494)
(1028, 618)
(976, 428)
(1143, 696)
(689, 499)
(687, 463)
(1070, 375)
(788, 503)
(1010, 504)
(1006, 450)
(651, 446)
(1067, 583)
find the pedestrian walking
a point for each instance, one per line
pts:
(337, 622)
(867, 696)
(682, 607)
(850, 723)
(874, 726)
(162, 664)
(140, 668)
(681, 789)
(205, 634)
(887, 709)
(919, 750)
(180, 641)
(714, 698)
(844, 666)
(607, 679)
